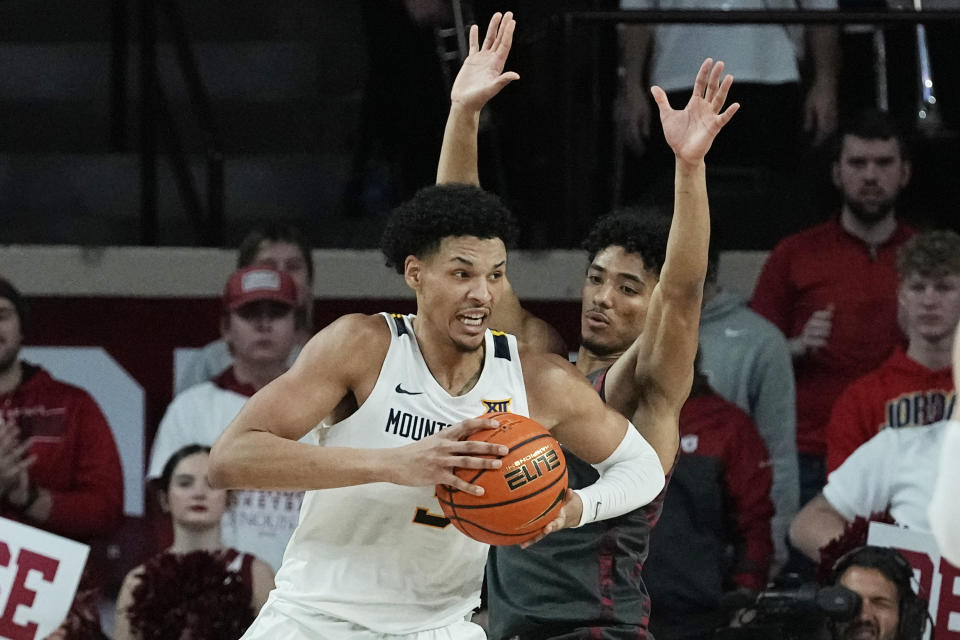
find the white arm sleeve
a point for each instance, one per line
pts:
(944, 507)
(630, 477)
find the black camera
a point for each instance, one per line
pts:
(797, 612)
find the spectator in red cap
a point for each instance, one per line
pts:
(276, 245)
(259, 326)
(59, 465)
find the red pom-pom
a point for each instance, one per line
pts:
(854, 535)
(191, 595)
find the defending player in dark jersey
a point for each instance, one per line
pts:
(639, 328)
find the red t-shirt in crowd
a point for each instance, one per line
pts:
(901, 393)
(77, 458)
(810, 271)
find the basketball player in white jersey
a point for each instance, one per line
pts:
(372, 556)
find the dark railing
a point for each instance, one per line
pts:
(158, 126)
(573, 158)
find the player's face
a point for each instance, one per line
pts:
(880, 613)
(261, 332)
(11, 336)
(930, 306)
(616, 293)
(286, 256)
(870, 173)
(192, 502)
(457, 287)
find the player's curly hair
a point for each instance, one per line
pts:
(640, 231)
(418, 225)
(931, 254)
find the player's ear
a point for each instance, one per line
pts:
(835, 173)
(413, 271)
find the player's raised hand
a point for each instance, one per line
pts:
(482, 77)
(569, 516)
(434, 459)
(691, 131)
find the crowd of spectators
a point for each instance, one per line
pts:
(825, 398)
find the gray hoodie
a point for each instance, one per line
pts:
(747, 361)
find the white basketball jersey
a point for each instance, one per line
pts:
(382, 555)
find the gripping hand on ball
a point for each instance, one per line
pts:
(569, 516)
(433, 460)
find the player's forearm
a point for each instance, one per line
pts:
(817, 524)
(630, 477)
(262, 460)
(458, 154)
(685, 264)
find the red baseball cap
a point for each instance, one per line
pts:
(252, 284)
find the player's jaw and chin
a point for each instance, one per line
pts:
(607, 332)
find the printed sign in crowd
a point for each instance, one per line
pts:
(937, 579)
(39, 575)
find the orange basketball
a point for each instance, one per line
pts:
(522, 496)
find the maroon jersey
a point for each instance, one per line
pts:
(583, 583)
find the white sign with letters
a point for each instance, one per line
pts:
(939, 581)
(39, 575)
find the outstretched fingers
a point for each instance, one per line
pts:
(492, 31)
(724, 117)
(505, 34)
(713, 83)
(660, 97)
(474, 39)
(700, 84)
(719, 96)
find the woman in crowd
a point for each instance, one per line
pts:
(197, 588)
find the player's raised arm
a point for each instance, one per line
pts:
(339, 365)
(652, 380)
(480, 78)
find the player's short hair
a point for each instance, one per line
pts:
(417, 226)
(931, 254)
(640, 231)
(872, 124)
(166, 476)
(273, 232)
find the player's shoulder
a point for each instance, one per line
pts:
(549, 373)
(357, 328)
(348, 339)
